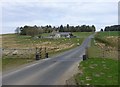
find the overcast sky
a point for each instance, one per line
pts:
(16, 13)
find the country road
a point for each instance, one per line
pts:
(51, 71)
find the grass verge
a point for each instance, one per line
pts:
(11, 63)
(98, 71)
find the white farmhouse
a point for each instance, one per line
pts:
(62, 35)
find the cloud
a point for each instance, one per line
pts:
(56, 12)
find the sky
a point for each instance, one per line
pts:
(17, 13)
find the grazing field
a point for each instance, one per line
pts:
(105, 46)
(18, 41)
(100, 50)
(108, 38)
(109, 33)
(53, 47)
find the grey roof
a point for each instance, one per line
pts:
(63, 33)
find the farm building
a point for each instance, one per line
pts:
(62, 35)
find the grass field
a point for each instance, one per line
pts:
(18, 41)
(109, 33)
(97, 71)
(54, 46)
(99, 50)
(104, 45)
(108, 38)
(10, 63)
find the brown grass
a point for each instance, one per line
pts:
(109, 51)
(10, 41)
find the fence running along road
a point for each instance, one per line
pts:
(25, 53)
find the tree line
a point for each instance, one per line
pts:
(35, 30)
(112, 28)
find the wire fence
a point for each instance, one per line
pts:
(24, 53)
(104, 52)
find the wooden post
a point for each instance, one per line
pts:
(37, 56)
(46, 53)
(40, 52)
(84, 57)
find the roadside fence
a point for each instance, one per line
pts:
(36, 53)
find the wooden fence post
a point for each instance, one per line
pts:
(37, 56)
(40, 52)
(46, 53)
